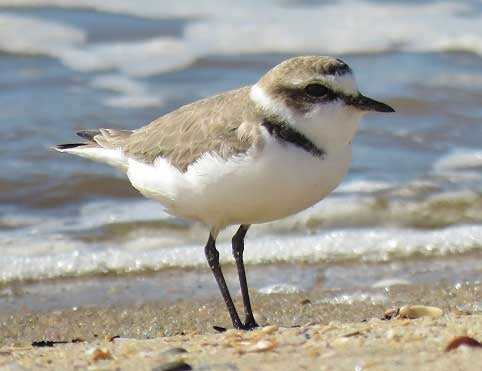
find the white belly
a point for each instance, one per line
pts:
(278, 181)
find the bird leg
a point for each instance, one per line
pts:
(212, 256)
(238, 249)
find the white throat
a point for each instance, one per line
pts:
(328, 126)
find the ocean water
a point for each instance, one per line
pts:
(414, 190)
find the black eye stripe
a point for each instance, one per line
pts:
(297, 98)
(318, 90)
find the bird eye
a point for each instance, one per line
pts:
(317, 90)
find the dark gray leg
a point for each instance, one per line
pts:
(212, 256)
(238, 249)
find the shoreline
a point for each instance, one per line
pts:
(198, 315)
(169, 286)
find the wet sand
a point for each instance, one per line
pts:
(311, 334)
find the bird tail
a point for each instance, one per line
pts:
(102, 145)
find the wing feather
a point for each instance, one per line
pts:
(210, 125)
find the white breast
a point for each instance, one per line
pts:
(261, 186)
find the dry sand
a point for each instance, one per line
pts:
(400, 344)
(328, 336)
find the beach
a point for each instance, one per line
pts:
(93, 275)
(298, 332)
(375, 345)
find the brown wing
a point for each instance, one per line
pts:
(225, 124)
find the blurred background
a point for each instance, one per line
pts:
(409, 211)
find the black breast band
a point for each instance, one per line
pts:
(284, 133)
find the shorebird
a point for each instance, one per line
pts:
(246, 156)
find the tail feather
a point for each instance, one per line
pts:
(62, 147)
(107, 138)
(88, 134)
(103, 145)
(95, 152)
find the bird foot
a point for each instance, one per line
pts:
(249, 325)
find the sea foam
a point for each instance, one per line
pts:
(219, 27)
(54, 256)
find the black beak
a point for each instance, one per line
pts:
(367, 104)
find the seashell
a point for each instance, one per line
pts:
(462, 341)
(417, 311)
(262, 346)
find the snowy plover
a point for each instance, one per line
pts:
(251, 155)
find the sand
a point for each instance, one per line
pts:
(325, 336)
(399, 344)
